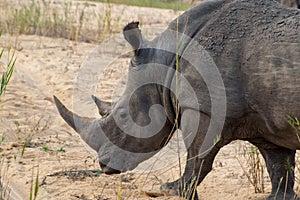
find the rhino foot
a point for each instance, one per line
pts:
(178, 188)
(287, 196)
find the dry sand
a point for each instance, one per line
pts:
(50, 66)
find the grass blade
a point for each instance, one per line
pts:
(36, 185)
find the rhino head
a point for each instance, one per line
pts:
(141, 122)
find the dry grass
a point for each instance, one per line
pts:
(254, 167)
(70, 20)
(166, 4)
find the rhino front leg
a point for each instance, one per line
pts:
(196, 169)
(280, 165)
(195, 172)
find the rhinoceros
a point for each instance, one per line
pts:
(224, 70)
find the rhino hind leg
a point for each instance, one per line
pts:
(280, 164)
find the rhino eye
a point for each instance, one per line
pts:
(123, 115)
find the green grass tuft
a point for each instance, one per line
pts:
(168, 4)
(8, 70)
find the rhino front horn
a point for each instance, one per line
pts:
(104, 107)
(74, 120)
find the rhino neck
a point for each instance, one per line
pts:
(167, 97)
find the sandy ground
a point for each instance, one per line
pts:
(49, 66)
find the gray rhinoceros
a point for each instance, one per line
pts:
(224, 70)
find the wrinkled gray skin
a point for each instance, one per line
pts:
(256, 47)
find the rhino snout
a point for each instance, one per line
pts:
(108, 170)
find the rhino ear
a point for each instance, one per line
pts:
(133, 35)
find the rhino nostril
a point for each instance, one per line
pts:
(108, 170)
(102, 165)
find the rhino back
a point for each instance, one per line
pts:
(255, 45)
(271, 66)
(272, 72)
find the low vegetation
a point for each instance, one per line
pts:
(166, 4)
(6, 70)
(69, 20)
(45, 19)
(254, 167)
(295, 123)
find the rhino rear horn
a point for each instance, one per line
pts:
(133, 35)
(104, 107)
(75, 121)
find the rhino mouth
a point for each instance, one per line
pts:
(108, 170)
